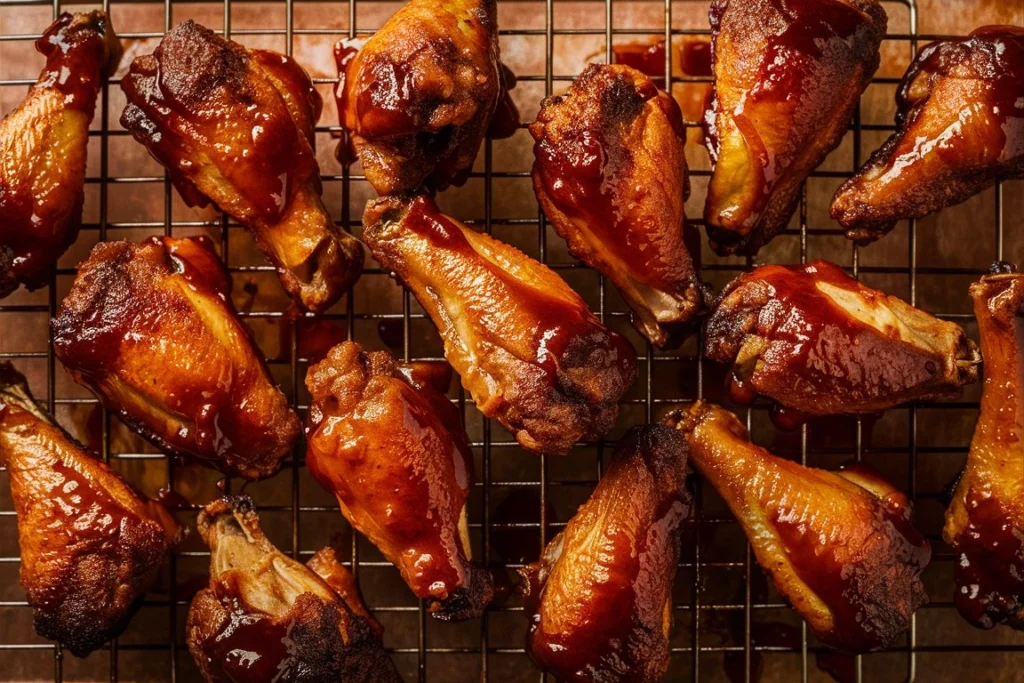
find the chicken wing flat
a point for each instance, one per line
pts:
(393, 451)
(525, 344)
(787, 78)
(959, 130)
(90, 545)
(839, 546)
(235, 126)
(985, 522)
(418, 97)
(610, 174)
(43, 147)
(151, 330)
(599, 599)
(818, 342)
(267, 618)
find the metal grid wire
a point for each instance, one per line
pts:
(691, 651)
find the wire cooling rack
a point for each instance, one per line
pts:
(729, 624)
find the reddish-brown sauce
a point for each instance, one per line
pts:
(695, 57)
(647, 58)
(75, 60)
(252, 648)
(196, 260)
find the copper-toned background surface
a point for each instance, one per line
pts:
(729, 624)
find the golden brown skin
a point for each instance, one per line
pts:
(985, 522)
(525, 344)
(610, 174)
(393, 451)
(234, 127)
(818, 342)
(418, 96)
(839, 546)
(91, 546)
(43, 148)
(266, 618)
(960, 129)
(599, 599)
(788, 76)
(150, 329)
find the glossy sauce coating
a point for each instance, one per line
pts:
(599, 599)
(394, 453)
(43, 149)
(818, 342)
(985, 521)
(524, 343)
(149, 328)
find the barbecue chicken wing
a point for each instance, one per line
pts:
(960, 129)
(839, 546)
(526, 345)
(90, 545)
(43, 147)
(788, 76)
(393, 451)
(600, 597)
(328, 567)
(417, 97)
(149, 329)
(985, 522)
(235, 126)
(817, 342)
(610, 174)
(266, 618)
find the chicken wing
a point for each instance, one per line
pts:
(91, 546)
(985, 522)
(43, 147)
(818, 342)
(599, 599)
(839, 546)
(610, 174)
(327, 566)
(393, 451)
(151, 330)
(235, 126)
(417, 97)
(266, 617)
(526, 345)
(959, 130)
(787, 78)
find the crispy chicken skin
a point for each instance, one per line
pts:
(610, 174)
(91, 546)
(418, 96)
(818, 342)
(151, 330)
(268, 618)
(985, 522)
(960, 129)
(327, 565)
(393, 451)
(839, 546)
(234, 127)
(787, 78)
(599, 599)
(525, 344)
(43, 147)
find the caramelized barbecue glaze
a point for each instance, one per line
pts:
(418, 96)
(393, 451)
(525, 344)
(788, 76)
(328, 566)
(90, 545)
(267, 618)
(818, 342)
(960, 129)
(600, 597)
(235, 126)
(610, 174)
(149, 329)
(43, 147)
(985, 522)
(839, 546)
